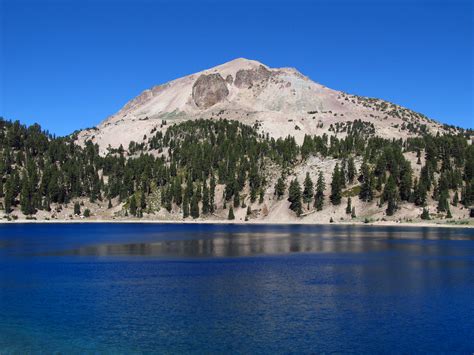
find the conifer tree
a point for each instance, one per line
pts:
(390, 195)
(351, 170)
(336, 186)
(425, 214)
(185, 206)
(349, 206)
(308, 190)
(455, 198)
(295, 197)
(26, 196)
(212, 193)
(133, 205)
(366, 191)
(194, 207)
(77, 208)
(448, 214)
(353, 212)
(319, 196)
(142, 200)
(205, 199)
(236, 199)
(443, 205)
(231, 213)
(280, 188)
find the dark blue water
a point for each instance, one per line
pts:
(131, 288)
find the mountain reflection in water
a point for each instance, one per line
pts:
(237, 244)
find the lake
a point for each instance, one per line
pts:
(186, 288)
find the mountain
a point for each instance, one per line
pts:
(248, 143)
(282, 102)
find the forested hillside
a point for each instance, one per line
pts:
(220, 169)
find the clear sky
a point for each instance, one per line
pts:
(68, 64)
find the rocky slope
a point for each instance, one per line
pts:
(282, 101)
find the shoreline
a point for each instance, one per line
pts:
(295, 223)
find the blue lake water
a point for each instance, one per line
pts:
(132, 288)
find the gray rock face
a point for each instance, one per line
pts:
(208, 90)
(246, 78)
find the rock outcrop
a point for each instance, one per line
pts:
(209, 89)
(246, 78)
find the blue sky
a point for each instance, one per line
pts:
(68, 64)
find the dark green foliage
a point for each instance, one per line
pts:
(319, 196)
(206, 205)
(185, 206)
(448, 214)
(455, 199)
(353, 213)
(351, 170)
(390, 194)
(194, 208)
(231, 213)
(294, 197)
(349, 206)
(87, 213)
(236, 199)
(133, 205)
(38, 170)
(367, 188)
(280, 188)
(308, 189)
(336, 186)
(425, 214)
(443, 205)
(77, 208)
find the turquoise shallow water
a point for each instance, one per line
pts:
(132, 288)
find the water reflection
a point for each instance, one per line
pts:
(234, 244)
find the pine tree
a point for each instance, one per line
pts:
(348, 207)
(280, 188)
(351, 170)
(110, 204)
(77, 208)
(319, 196)
(236, 199)
(185, 206)
(336, 186)
(308, 190)
(390, 195)
(9, 196)
(443, 205)
(194, 207)
(366, 190)
(212, 193)
(353, 213)
(142, 200)
(231, 213)
(205, 199)
(425, 214)
(448, 214)
(133, 205)
(455, 199)
(26, 196)
(295, 197)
